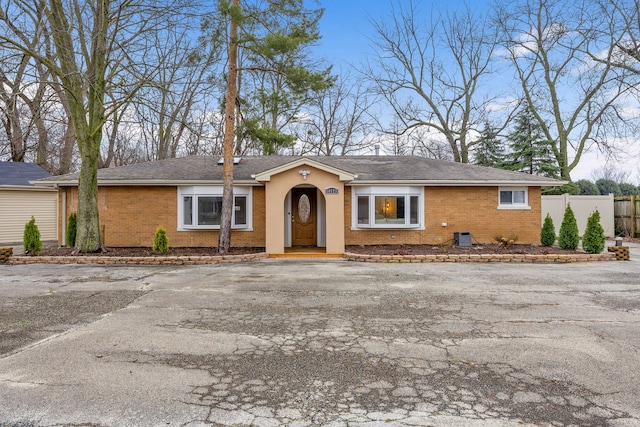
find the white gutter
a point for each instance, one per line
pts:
(26, 188)
(148, 183)
(443, 183)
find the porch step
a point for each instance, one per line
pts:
(302, 255)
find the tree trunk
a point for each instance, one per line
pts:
(224, 242)
(88, 237)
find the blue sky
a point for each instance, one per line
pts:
(346, 29)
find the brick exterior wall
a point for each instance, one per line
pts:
(472, 209)
(129, 217)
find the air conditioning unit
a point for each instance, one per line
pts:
(462, 238)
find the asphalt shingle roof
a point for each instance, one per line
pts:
(19, 173)
(366, 168)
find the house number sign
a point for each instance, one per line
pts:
(331, 190)
(304, 209)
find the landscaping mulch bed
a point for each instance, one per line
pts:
(479, 249)
(455, 250)
(147, 252)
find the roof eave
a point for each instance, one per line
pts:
(465, 183)
(26, 188)
(148, 183)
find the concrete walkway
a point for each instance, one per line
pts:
(331, 343)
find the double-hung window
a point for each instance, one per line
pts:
(200, 207)
(513, 198)
(388, 207)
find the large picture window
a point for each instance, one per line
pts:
(388, 207)
(201, 207)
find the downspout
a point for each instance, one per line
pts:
(63, 238)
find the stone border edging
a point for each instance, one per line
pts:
(225, 259)
(149, 260)
(515, 258)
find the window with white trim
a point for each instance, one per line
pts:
(200, 207)
(388, 207)
(513, 198)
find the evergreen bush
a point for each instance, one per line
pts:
(548, 232)
(31, 238)
(568, 237)
(161, 241)
(593, 240)
(72, 229)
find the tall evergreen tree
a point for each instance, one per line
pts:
(606, 186)
(268, 40)
(587, 187)
(489, 148)
(529, 150)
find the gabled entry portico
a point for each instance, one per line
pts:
(304, 206)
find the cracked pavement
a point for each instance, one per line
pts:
(321, 343)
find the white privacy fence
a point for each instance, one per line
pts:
(582, 207)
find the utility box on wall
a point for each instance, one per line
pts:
(462, 238)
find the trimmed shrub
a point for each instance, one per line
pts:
(72, 229)
(548, 232)
(161, 241)
(593, 239)
(31, 238)
(568, 237)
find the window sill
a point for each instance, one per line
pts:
(212, 227)
(388, 227)
(514, 208)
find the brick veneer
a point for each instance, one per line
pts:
(129, 217)
(472, 209)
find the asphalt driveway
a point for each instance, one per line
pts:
(309, 343)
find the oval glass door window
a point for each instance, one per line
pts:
(304, 209)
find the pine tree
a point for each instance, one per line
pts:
(606, 186)
(489, 149)
(70, 238)
(161, 241)
(593, 239)
(587, 187)
(569, 237)
(31, 238)
(548, 232)
(529, 150)
(268, 40)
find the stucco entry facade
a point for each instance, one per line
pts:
(281, 216)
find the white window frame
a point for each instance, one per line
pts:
(392, 192)
(197, 191)
(514, 205)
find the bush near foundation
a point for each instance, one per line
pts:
(31, 238)
(593, 240)
(161, 241)
(568, 237)
(72, 230)
(548, 232)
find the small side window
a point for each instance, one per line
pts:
(516, 198)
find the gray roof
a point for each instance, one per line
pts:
(19, 173)
(368, 169)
